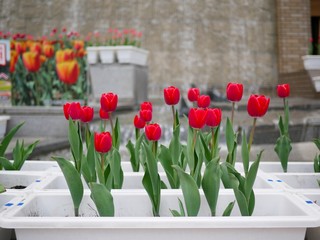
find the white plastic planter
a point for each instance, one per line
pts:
(312, 65)
(35, 165)
(30, 180)
(49, 216)
(3, 125)
(93, 55)
(133, 180)
(7, 201)
(293, 167)
(294, 181)
(107, 54)
(132, 55)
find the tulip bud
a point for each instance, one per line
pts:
(283, 90)
(257, 105)
(66, 110)
(31, 61)
(146, 106)
(193, 94)
(171, 95)
(213, 117)
(153, 132)
(146, 115)
(203, 101)
(86, 114)
(102, 142)
(139, 122)
(234, 92)
(197, 117)
(103, 114)
(109, 102)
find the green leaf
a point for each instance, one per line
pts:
(316, 163)
(166, 162)
(175, 145)
(211, 184)
(116, 170)
(6, 164)
(2, 188)
(91, 156)
(152, 167)
(281, 126)
(228, 210)
(75, 143)
(117, 135)
(154, 192)
(317, 143)
(240, 197)
(182, 213)
(7, 139)
(207, 152)
(190, 150)
(251, 203)
(283, 149)
(133, 160)
(245, 153)
(103, 199)
(286, 118)
(225, 176)
(73, 180)
(175, 213)
(190, 192)
(24, 154)
(230, 136)
(252, 174)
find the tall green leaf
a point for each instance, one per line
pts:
(73, 180)
(252, 174)
(228, 210)
(283, 148)
(165, 158)
(211, 184)
(190, 192)
(230, 136)
(154, 192)
(75, 141)
(245, 153)
(7, 139)
(103, 199)
(116, 170)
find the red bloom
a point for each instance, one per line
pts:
(193, 94)
(171, 95)
(153, 132)
(213, 117)
(103, 114)
(283, 90)
(197, 117)
(257, 105)
(72, 110)
(86, 114)
(139, 122)
(102, 142)
(234, 92)
(146, 115)
(203, 101)
(109, 102)
(146, 106)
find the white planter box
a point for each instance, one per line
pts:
(30, 180)
(312, 65)
(7, 201)
(298, 180)
(293, 167)
(132, 55)
(3, 125)
(107, 54)
(133, 180)
(93, 55)
(49, 216)
(35, 165)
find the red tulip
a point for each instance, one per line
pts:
(193, 94)
(234, 92)
(257, 105)
(13, 60)
(86, 114)
(139, 122)
(36, 47)
(48, 50)
(103, 114)
(213, 117)
(20, 47)
(283, 90)
(31, 61)
(197, 117)
(102, 142)
(64, 55)
(146, 106)
(171, 95)
(204, 101)
(68, 72)
(109, 101)
(153, 132)
(146, 115)
(72, 110)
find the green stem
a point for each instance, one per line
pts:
(87, 134)
(252, 133)
(154, 148)
(174, 118)
(111, 123)
(137, 130)
(232, 112)
(76, 212)
(37, 90)
(102, 166)
(212, 143)
(193, 150)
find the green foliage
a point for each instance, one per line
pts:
(231, 140)
(20, 155)
(7, 139)
(73, 179)
(2, 188)
(134, 151)
(75, 140)
(103, 199)
(316, 161)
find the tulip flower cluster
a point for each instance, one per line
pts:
(51, 68)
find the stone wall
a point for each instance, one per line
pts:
(207, 42)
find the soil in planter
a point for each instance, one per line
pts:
(18, 187)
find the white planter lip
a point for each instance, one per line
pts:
(124, 47)
(38, 166)
(309, 219)
(4, 117)
(284, 180)
(293, 167)
(93, 48)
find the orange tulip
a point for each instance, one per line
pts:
(43, 59)
(20, 47)
(13, 60)
(68, 71)
(36, 47)
(64, 55)
(78, 44)
(48, 50)
(80, 53)
(31, 61)
(12, 45)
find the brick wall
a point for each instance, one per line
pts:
(209, 42)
